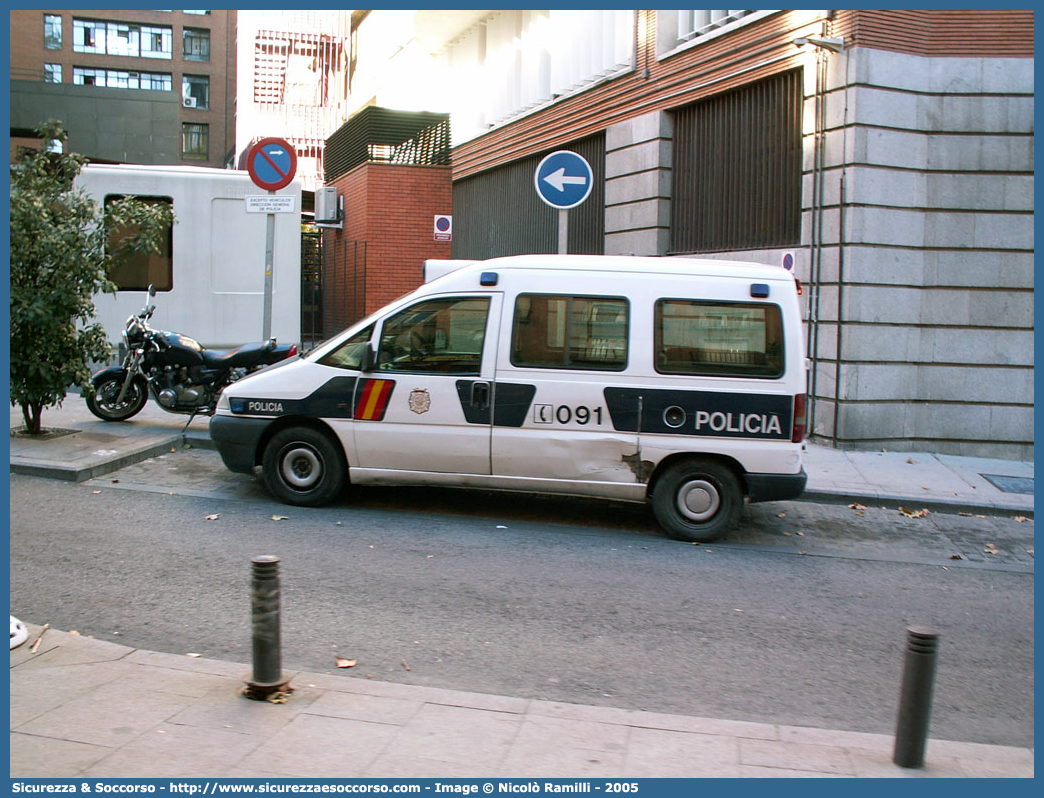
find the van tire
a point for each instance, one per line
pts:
(303, 467)
(697, 500)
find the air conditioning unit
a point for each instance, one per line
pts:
(327, 207)
(188, 102)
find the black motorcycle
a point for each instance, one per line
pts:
(182, 376)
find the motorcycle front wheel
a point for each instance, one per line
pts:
(103, 403)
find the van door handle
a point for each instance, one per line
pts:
(480, 395)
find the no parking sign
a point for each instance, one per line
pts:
(443, 228)
(272, 164)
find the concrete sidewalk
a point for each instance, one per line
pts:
(87, 708)
(83, 447)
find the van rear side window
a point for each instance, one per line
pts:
(570, 332)
(734, 339)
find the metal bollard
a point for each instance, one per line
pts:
(915, 700)
(268, 677)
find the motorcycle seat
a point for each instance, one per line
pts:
(251, 354)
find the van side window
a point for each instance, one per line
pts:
(349, 354)
(734, 339)
(570, 332)
(437, 336)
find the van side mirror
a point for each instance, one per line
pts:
(369, 358)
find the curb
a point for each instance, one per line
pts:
(954, 507)
(98, 469)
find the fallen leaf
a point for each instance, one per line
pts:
(781, 515)
(786, 534)
(280, 518)
(338, 523)
(1029, 551)
(990, 550)
(277, 698)
(956, 557)
(74, 632)
(346, 663)
(911, 461)
(115, 482)
(193, 655)
(801, 534)
(856, 507)
(966, 515)
(925, 487)
(737, 610)
(431, 556)
(1019, 518)
(407, 667)
(213, 517)
(913, 513)
(96, 492)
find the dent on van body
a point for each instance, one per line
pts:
(564, 454)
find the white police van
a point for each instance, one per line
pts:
(675, 381)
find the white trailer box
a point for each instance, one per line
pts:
(217, 280)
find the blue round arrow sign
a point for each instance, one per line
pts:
(272, 163)
(563, 179)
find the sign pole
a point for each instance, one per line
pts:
(563, 232)
(266, 316)
(272, 164)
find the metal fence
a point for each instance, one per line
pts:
(737, 168)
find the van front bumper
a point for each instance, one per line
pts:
(236, 440)
(775, 487)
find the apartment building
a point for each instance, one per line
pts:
(885, 156)
(151, 87)
(293, 82)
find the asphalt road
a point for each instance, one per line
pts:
(798, 618)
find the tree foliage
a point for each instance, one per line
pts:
(60, 259)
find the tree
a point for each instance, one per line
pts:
(62, 250)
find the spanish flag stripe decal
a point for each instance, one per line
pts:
(373, 399)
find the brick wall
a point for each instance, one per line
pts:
(389, 213)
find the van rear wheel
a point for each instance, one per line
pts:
(302, 466)
(697, 500)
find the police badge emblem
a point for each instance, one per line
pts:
(420, 400)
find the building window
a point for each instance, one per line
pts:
(199, 13)
(122, 39)
(675, 29)
(195, 91)
(141, 270)
(196, 44)
(121, 79)
(567, 332)
(52, 73)
(737, 169)
(88, 36)
(195, 140)
(157, 42)
(52, 32)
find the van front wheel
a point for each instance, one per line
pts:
(302, 466)
(697, 500)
